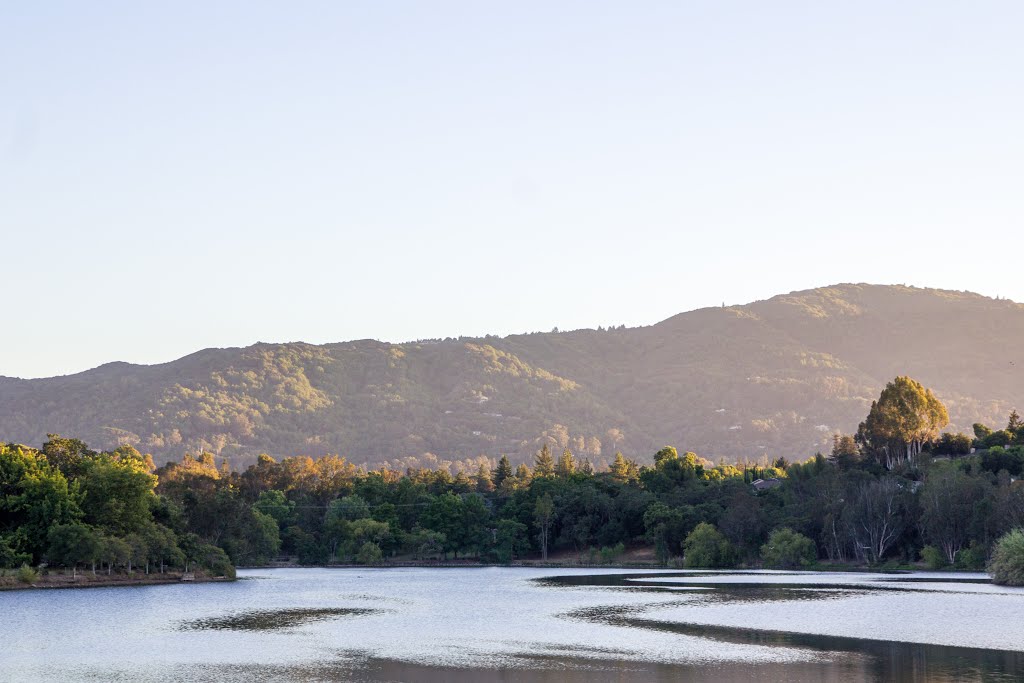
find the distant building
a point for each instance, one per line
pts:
(766, 484)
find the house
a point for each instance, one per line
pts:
(765, 484)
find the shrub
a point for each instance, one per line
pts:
(27, 574)
(971, 559)
(933, 557)
(1007, 563)
(369, 553)
(788, 549)
(706, 547)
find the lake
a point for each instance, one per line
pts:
(518, 624)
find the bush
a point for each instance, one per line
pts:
(369, 553)
(933, 557)
(971, 559)
(1007, 564)
(706, 547)
(788, 549)
(27, 574)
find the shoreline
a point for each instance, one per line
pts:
(84, 580)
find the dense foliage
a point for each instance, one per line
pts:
(777, 377)
(69, 506)
(1007, 564)
(898, 500)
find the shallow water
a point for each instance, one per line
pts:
(513, 624)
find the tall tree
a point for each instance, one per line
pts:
(543, 513)
(566, 464)
(904, 418)
(503, 472)
(624, 470)
(544, 464)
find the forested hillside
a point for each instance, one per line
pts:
(775, 377)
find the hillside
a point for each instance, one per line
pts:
(774, 377)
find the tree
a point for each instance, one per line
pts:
(624, 470)
(1007, 563)
(66, 455)
(901, 422)
(503, 472)
(9, 557)
(877, 517)
(510, 540)
(845, 452)
(566, 464)
(34, 496)
(953, 444)
(1014, 424)
(544, 464)
(787, 549)
(543, 513)
(117, 493)
(369, 553)
(947, 501)
(71, 545)
(484, 483)
(705, 547)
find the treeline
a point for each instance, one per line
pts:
(66, 505)
(898, 491)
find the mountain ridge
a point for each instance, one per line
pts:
(773, 377)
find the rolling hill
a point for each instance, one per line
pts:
(775, 377)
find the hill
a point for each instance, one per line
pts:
(775, 377)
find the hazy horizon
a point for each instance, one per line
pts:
(182, 178)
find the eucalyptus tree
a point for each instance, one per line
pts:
(905, 418)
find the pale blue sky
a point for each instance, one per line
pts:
(216, 174)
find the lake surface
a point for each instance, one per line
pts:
(514, 624)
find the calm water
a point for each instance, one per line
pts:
(504, 624)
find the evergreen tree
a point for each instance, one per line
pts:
(484, 483)
(566, 464)
(544, 464)
(503, 472)
(624, 470)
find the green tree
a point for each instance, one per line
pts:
(624, 470)
(948, 499)
(845, 452)
(369, 553)
(117, 494)
(706, 547)
(1007, 563)
(566, 464)
(510, 540)
(484, 483)
(901, 422)
(71, 545)
(788, 549)
(544, 464)
(503, 473)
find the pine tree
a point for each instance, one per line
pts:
(566, 464)
(503, 472)
(587, 468)
(544, 464)
(523, 476)
(624, 470)
(484, 484)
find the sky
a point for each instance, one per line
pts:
(176, 176)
